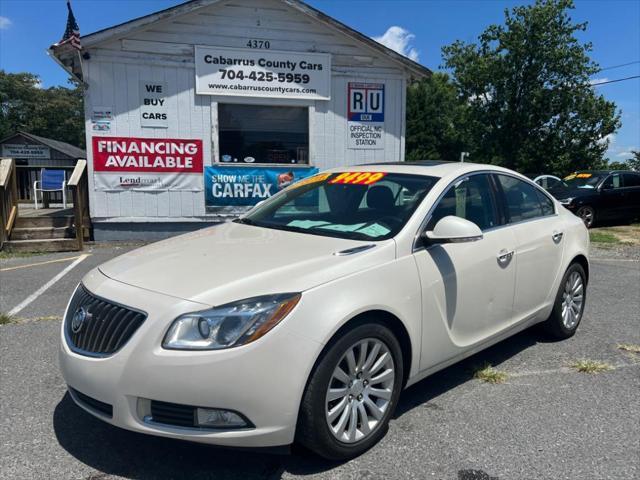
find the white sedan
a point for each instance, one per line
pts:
(304, 319)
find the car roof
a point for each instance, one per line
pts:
(604, 172)
(433, 168)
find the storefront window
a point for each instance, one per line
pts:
(263, 134)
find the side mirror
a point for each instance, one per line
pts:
(452, 229)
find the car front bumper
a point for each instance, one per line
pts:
(263, 381)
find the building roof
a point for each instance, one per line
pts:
(62, 147)
(112, 33)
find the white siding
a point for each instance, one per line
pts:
(164, 52)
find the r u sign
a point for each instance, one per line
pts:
(366, 102)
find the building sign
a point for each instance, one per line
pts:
(365, 115)
(242, 186)
(17, 150)
(153, 108)
(262, 73)
(147, 164)
(101, 118)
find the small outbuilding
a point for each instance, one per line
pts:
(196, 113)
(32, 153)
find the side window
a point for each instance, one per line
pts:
(471, 199)
(546, 203)
(613, 181)
(521, 199)
(631, 180)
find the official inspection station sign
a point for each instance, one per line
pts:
(365, 115)
(126, 163)
(262, 73)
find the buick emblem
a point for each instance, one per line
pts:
(79, 319)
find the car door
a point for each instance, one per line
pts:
(612, 202)
(631, 183)
(467, 288)
(531, 216)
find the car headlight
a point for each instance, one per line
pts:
(566, 201)
(229, 325)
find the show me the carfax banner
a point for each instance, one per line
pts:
(246, 186)
(127, 163)
(262, 73)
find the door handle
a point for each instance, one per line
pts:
(504, 257)
(557, 236)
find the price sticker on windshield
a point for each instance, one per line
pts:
(358, 178)
(584, 175)
(321, 177)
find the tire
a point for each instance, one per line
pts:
(588, 215)
(561, 324)
(322, 434)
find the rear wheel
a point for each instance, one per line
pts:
(588, 215)
(352, 393)
(569, 304)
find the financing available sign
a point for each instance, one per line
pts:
(126, 163)
(244, 186)
(262, 73)
(365, 115)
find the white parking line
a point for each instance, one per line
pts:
(18, 308)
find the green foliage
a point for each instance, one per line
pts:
(634, 162)
(435, 118)
(55, 112)
(526, 83)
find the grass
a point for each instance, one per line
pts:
(603, 237)
(629, 347)
(590, 366)
(488, 374)
(5, 319)
(5, 255)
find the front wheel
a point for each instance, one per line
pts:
(352, 393)
(588, 215)
(569, 304)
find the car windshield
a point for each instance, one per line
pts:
(355, 205)
(582, 180)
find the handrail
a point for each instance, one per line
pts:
(8, 198)
(78, 183)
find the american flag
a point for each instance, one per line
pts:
(72, 32)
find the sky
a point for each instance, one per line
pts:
(418, 29)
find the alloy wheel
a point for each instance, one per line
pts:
(360, 390)
(572, 299)
(587, 215)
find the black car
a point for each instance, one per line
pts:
(601, 195)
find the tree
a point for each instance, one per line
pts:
(55, 112)
(634, 162)
(531, 106)
(435, 115)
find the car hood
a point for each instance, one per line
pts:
(232, 261)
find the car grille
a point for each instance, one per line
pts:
(173, 414)
(92, 403)
(106, 327)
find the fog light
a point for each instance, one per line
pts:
(215, 418)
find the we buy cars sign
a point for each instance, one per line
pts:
(126, 163)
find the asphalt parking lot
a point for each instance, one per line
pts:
(546, 421)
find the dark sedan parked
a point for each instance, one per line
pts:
(601, 195)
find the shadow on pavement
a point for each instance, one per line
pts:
(120, 452)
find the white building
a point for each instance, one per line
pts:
(197, 112)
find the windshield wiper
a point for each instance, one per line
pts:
(244, 221)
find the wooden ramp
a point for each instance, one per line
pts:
(25, 229)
